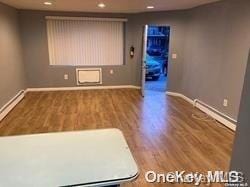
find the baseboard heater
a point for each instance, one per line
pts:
(11, 104)
(219, 116)
(89, 76)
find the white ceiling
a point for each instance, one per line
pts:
(117, 6)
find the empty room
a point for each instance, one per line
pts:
(124, 93)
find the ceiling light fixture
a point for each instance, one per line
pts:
(150, 7)
(101, 5)
(47, 3)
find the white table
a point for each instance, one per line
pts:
(84, 158)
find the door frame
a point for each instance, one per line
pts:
(144, 57)
(143, 64)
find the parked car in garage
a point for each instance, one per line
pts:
(163, 60)
(154, 50)
(153, 68)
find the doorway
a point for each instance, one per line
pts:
(156, 62)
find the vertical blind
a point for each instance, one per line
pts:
(85, 41)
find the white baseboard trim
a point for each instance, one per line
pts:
(80, 88)
(219, 116)
(216, 116)
(11, 104)
(180, 95)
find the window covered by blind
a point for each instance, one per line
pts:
(85, 41)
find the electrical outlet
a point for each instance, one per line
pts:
(66, 76)
(174, 56)
(225, 102)
(111, 71)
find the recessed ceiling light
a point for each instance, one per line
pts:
(47, 3)
(101, 5)
(150, 7)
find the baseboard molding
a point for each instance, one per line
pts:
(219, 116)
(216, 116)
(11, 104)
(80, 88)
(180, 95)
